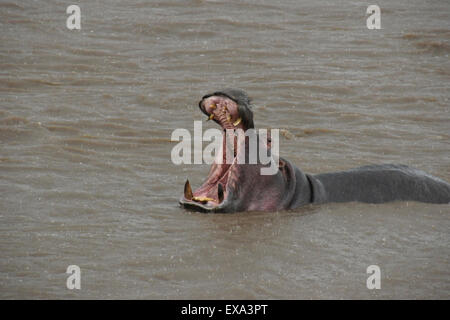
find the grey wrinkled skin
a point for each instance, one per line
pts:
(383, 183)
(290, 188)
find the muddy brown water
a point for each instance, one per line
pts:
(85, 123)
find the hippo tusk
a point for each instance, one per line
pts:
(220, 192)
(188, 190)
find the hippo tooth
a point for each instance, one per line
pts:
(237, 122)
(213, 106)
(211, 116)
(202, 199)
(228, 118)
(220, 192)
(188, 190)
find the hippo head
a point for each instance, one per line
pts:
(229, 184)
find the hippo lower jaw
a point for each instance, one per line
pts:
(213, 195)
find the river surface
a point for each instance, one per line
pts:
(86, 118)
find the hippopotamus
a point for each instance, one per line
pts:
(232, 187)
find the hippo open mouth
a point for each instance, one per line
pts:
(233, 185)
(230, 109)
